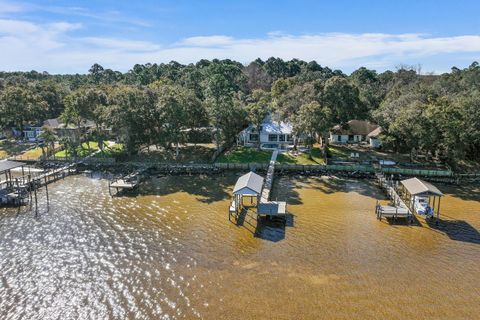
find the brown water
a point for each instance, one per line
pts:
(171, 253)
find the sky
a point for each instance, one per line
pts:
(68, 36)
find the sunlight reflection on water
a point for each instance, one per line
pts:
(170, 252)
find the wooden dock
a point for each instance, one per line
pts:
(266, 207)
(267, 186)
(128, 182)
(398, 208)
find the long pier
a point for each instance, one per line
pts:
(267, 186)
(267, 207)
(398, 209)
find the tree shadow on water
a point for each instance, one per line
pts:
(208, 189)
(329, 185)
(271, 229)
(457, 230)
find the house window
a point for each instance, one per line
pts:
(272, 137)
(289, 138)
(281, 137)
(339, 138)
(253, 137)
(350, 137)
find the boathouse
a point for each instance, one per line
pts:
(415, 190)
(248, 186)
(257, 189)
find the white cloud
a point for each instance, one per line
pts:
(53, 47)
(11, 7)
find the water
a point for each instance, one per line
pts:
(171, 253)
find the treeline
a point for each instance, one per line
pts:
(162, 104)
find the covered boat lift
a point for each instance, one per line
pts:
(248, 186)
(414, 187)
(252, 186)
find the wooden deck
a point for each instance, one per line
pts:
(267, 207)
(128, 182)
(398, 208)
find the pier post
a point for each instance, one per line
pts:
(46, 191)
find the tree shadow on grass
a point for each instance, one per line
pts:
(457, 230)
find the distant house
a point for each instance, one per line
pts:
(374, 138)
(32, 133)
(356, 131)
(271, 135)
(69, 130)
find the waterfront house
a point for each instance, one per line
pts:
(356, 131)
(373, 138)
(271, 135)
(71, 130)
(32, 133)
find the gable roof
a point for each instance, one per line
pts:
(52, 123)
(375, 133)
(271, 126)
(416, 186)
(251, 181)
(355, 127)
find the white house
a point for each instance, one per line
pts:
(32, 133)
(374, 138)
(356, 131)
(271, 135)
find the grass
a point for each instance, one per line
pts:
(82, 151)
(110, 151)
(32, 154)
(253, 155)
(344, 152)
(188, 153)
(337, 152)
(10, 148)
(302, 158)
(245, 155)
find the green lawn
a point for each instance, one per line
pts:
(302, 158)
(245, 155)
(252, 155)
(344, 152)
(82, 151)
(110, 151)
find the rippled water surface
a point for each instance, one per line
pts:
(170, 252)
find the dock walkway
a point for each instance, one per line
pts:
(398, 209)
(267, 207)
(267, 186)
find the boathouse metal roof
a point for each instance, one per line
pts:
(416, 186)
(6, 165)
(250, 181)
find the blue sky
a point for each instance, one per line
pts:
(69, 36)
